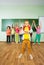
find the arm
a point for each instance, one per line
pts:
(23, 27)
(40, 24)
(34, 24)
(29, 27)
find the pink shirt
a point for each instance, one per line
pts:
(38, 31)
(17, 30)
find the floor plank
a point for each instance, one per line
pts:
(9, 54)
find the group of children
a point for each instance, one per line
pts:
(14, 34)
(23, 35)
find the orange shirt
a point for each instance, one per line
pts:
(8, 32)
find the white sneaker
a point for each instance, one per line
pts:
(20, 55)
(31, 57)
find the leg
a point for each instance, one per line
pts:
(16, 39)
(29, 50)
(39, 36)
(20, 38)
(35, 38)
(7, 39)
(23, 46)
(31, 39)
(12, 38)
(23, 49)
(29, 47)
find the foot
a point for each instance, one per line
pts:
(20, 55)
(38, 43)
(16, 43)
(33, 43)
(31, 57)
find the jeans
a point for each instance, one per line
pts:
(8, 39)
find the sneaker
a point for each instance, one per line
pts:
(31, 57)
(20, 55)
(33, 43)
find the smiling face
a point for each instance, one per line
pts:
(38, 26)
(26, 23)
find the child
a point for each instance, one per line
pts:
(38, 33)
(8, 33)
(16, 34)
(13, 33)
(21, 32)
(26, 40)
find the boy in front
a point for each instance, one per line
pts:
(26, 40)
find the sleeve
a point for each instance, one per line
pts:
(23, 27)
(29, 27)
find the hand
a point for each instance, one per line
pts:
(33, 22)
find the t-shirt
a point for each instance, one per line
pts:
(8, 32)
(38, 31)
(21, 32)
(26, 36)
(17, 30)
(12, 31)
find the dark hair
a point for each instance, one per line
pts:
(9, 27)
(20, 27)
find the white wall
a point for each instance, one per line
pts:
(8, 12)
(2, 34)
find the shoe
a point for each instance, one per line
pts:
(20, 55)
(31, 57)
(33, 43)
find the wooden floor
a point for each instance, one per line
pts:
(9, 54)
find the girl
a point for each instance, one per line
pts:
(38, 33)
(16, 34)
(13, 33)
(8, 33)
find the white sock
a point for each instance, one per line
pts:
(20, 55)
(31, 57)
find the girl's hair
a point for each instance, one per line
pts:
(9, 27)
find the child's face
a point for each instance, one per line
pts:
(26, 23)
(38, 26)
